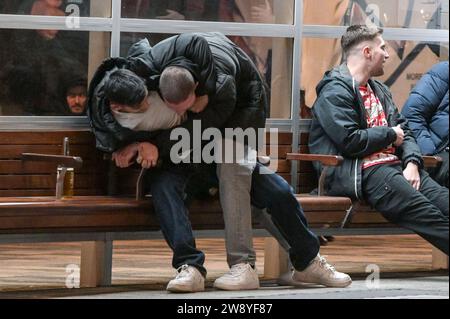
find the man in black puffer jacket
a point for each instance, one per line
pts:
(354, 116)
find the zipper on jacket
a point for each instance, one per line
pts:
(356, 180)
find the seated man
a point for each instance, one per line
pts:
(355, 116)
(427, 112)
(267, 190)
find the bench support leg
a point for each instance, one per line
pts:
(96, 264)
(275, 259)
(439, 259)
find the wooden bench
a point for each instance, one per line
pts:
(96, 215)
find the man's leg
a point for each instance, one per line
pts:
(167, 188)
(270, 191)
(234, 185)
(424, 212)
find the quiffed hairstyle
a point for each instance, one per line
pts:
(176, 84)
(357, 34)
(125, 87)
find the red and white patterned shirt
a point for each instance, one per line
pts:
(376, 117)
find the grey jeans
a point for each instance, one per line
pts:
(235, 182)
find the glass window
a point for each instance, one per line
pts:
(79, 8)
(408, 61)
(272, 56)
(254, 11)
(427, 14)
(45, 72)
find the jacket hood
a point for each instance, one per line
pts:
(340, 73)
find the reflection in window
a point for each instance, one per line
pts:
(255, 11)
(408, 61)
(272, 57)
(430, 14)
(80, 8)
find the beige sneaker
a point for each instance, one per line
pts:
(320, 272)
(240, 277)
(188, 279)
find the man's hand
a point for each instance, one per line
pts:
(171, 15)
(200, 104)
(412, 175)
(400, 135)
(148, 155)
(124, 156)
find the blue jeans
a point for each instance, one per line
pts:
(168, 192)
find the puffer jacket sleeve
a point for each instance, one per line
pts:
(335, 111)
(191, 51)
(215, 115)
(421, 107)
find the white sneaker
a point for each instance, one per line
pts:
(320, 272)
(188, 279)
(240, 277)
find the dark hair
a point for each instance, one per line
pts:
(125, 87)
(176, 84)
(356, 34)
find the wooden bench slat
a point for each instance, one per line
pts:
(51, 138)
(15, 151)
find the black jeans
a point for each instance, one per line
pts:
(425, 212)
(268, 191)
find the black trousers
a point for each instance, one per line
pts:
(425, 212)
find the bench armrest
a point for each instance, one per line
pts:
(68, 161)
(326, 160)
(431, 161)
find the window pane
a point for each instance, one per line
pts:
(408, 61)
(272, 56)
(255, 11)
(48, 76)
(429, 14)
(79, 8)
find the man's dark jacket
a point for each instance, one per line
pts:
(427, 110)
(237, 96)
(339, 127)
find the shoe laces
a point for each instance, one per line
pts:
(324, 264)
(183, 272)
(237, 270)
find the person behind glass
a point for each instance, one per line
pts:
(225, 102)
(427, 112)
(355, 116)
(38, 64)
(76, 96)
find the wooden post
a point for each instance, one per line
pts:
(275, 259)
(96, 264)
(439, 259)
